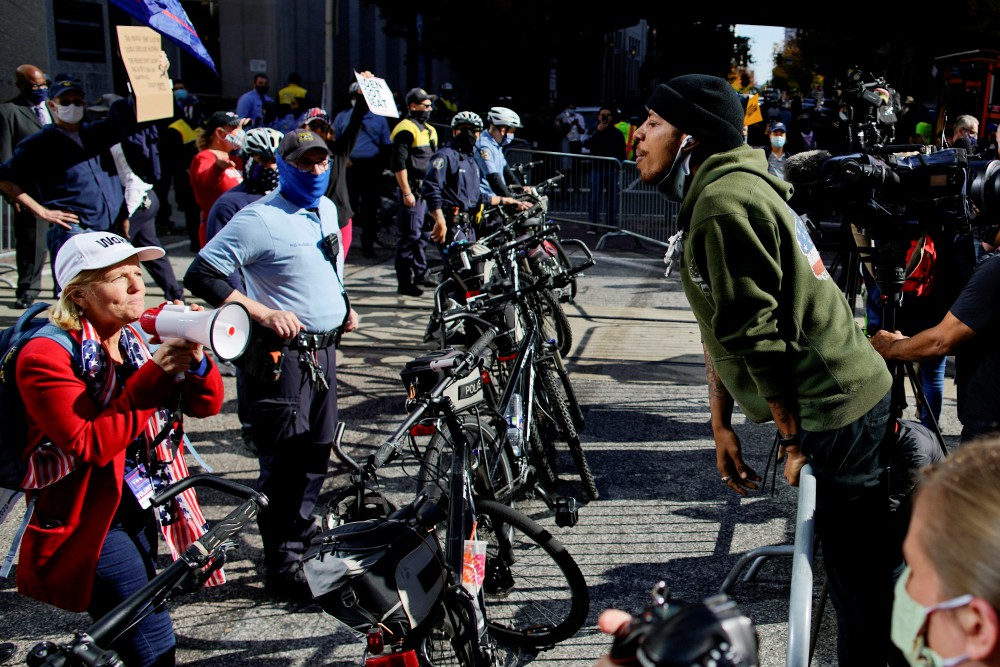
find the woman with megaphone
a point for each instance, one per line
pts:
(99, 406)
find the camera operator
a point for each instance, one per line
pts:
(781, 340)
(969, 330)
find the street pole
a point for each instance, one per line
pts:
(330, 32)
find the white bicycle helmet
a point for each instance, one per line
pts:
(467, 118)
(504, 117)
(262, 141)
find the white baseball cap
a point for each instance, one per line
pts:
(97, 250)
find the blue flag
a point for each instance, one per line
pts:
(168, 18)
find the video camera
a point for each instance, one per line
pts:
(886, 190)
(674, 633)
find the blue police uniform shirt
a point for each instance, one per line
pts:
(374, 133)
(452, 179)
(490, 159)
(71, 173)
(278, 248)
(251, 105)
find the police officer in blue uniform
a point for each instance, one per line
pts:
(451, 185)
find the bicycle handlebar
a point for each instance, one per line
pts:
(468, 360)
(85, 648)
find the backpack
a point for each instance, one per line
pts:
(920, 262)
(13, 427)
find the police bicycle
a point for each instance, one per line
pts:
(490, 578)
(528, 379)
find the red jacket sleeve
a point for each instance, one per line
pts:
(59, 407)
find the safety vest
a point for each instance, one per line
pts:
(424, 145)
(628, 131)
(183, 129)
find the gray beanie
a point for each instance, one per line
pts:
(703, 106)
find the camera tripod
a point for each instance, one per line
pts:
(889, 260)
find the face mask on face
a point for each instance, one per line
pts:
(672, 185)
(465, 141)
(778, 142)
(300, 187)
(69, 114)
(909, 620)
(36, 95)
(509, 137)
(236, 139)
(262, 90)
(421, 116)
(259, 180)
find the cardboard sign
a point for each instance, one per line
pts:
(378, 96)
(146, 65)
(753, 114)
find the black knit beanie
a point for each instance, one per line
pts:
(706, 107)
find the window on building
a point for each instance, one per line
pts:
(79, 28)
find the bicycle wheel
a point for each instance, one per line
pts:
(535, 592)
(543, 457)
(575, 410)
(553, 405)
(436, 465)
(552, 320)
(452, 638)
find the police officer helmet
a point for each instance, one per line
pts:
(262, 141)
(504, 117)
(467, 118)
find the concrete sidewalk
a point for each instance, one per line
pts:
(638, 371)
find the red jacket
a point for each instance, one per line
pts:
(57, 563)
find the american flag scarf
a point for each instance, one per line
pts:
(181, 520)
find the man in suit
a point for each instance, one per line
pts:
(19, 117)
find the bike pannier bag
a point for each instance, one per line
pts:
(376, 572)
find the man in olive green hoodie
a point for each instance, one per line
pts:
(781, 342)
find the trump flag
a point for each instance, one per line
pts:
(168, 18)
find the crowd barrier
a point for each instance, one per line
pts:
(600, 192)
(8, 271)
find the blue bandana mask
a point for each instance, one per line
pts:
(299, 187)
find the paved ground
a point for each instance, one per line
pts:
(637, 368)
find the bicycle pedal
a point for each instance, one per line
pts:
(567, 511)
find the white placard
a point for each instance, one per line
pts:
(378, 96)
(258, 66)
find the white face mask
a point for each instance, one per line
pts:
(672, 185)
(69, 114)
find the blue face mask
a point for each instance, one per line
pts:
(37, 95)
(299, 187)
(509, 137)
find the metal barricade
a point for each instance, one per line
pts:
(8, 271)
(801, 630)
(603, 193)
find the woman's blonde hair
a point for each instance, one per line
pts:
(202, 139)
(960, 499)
(65, 314)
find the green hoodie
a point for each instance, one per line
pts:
(772, 319)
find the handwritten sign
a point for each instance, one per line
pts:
(146, 65)
(753, 114)
(378, 96)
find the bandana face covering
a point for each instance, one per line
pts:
(300, 187)
(259, 180)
